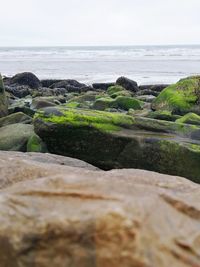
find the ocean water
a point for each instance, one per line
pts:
(145, 64)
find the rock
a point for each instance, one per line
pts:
(125, 103)
(18, 117)
(47, 92)
(19, 91)
(114, 140)
(49, 82)
(103, 103)
(147, 92)
(14, 137)
(190, 118)
(146, 98)
(117, 90)
(128, 84)
(163, 115)
(26, 78)
(71, 217)
(22, 105)
(49, 160)
(155, 87)
(40, 102)
(180, 98)
(120, 102)
(71, 86)
(102, 86)
(3, 100)
(35, 144)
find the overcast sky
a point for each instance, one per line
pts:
(99, 22)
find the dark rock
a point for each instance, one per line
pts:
(67, 84)
(49, 82)
(102, 86)
(40, 102)
(155, 87)
(19, 91)
(26, 78)
(128, 84)
(147, 92)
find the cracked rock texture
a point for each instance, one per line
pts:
(58, 215)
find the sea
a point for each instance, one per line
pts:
(89, 64)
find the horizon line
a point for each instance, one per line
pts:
(128, 45)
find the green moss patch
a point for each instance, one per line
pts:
(190, 118)
(35, 144)
(125, 103)
(179, 98)
(104, 121)
(114, 89)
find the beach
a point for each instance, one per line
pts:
(88, 64)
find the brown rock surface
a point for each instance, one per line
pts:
(73, 217)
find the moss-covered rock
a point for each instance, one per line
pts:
(3, 100)
(18, 117)
(117, 90)
(114, 89)
(103, 103)
(180, 98)
(163, 115)
(179, 129)
(190, 118)
(112, 140)
(14, 137)
(35, 144)
(125, 103)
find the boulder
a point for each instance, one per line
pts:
(37, 158)
(189, 118)
(102, 86)
(114, 140)
(180, 98)
(128, 84)
(146, 98)
(163, 115)
(19, 91)
(3, 100)
(41, 102)
(71, 217)
(120, 102)
(154, 87)
(18, 117)
(49, 82)
(15, 137)
(71, 86)
(26, 78)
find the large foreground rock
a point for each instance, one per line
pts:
(113, 140)
(71, 217)
(3, 100)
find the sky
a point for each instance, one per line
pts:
(99, 22)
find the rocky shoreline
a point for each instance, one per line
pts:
(60, 202)
(109, 125)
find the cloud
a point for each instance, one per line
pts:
(99, 22)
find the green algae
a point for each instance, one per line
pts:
(190, 118)
(179, 98)
(35, 144)
(114, 89)
(104, 121)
